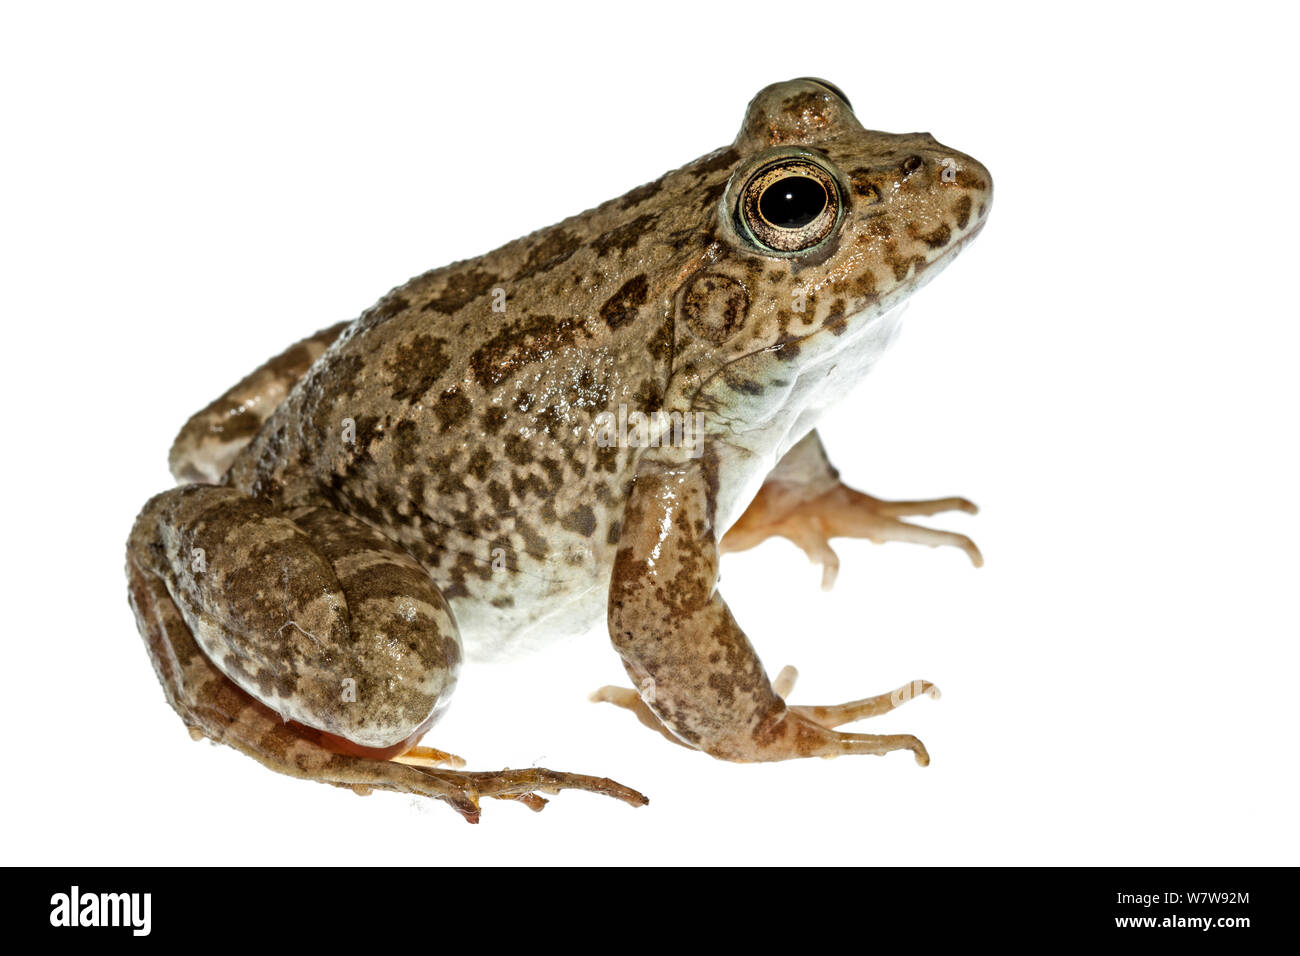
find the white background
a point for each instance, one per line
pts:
(1109, 371)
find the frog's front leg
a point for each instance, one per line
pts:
(211, 439)
(694, 667)
(804, 500)
(828, 715)
(310, 642)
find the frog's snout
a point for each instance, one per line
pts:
(963, 179)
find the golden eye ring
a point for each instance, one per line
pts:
(789, 205)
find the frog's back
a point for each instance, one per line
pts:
(459, 414)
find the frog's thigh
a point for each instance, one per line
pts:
(211, 439)
(311, 612)
(213, 706)
(693, 665)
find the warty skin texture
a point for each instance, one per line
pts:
(427, 483)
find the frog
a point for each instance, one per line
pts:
(567, 431)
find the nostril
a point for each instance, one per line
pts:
(911, 165)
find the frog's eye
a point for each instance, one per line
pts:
(789, 206)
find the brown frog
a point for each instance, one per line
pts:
(574, 425)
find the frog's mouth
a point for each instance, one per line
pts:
(887, 309)
(922, 275)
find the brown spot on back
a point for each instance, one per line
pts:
(642, 193)
(385, 309)
(712, 164)
(452, 407)
(710, 196)
(463, 287)
(499, 496)
(660, 344)
(406, 443)
(555, 247)
(494, 418)
(417, 366)
(624, 237)
(554, 473)
(622, 306)
(531, 339)
(517, 450)
(480, 463)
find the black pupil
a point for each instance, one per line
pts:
(792, 202)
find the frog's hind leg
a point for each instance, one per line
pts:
(213, 706)
(804, 500)
(290, 604)
(211, 439)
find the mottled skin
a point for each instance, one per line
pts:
(429, 479)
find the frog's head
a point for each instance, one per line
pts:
(845, 204)
(821, 229)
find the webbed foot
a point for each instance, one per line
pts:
(826, 717)
(843, 512)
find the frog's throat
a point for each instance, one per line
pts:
(878, 318)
